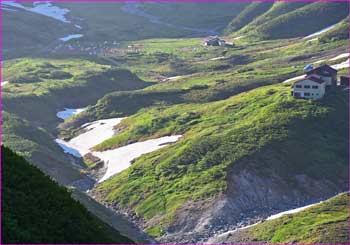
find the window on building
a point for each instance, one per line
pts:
(306, 94)
(315, 86)
(306, 86)
(298, 86)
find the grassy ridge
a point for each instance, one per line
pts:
(37, 210)
(277, 9)
(37, 90)
(305, 20)
(286, 20)
(49, 85)
(327, 222)
(340, 32)
(247, 15)
(219, 134)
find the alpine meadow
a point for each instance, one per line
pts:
(190, 122)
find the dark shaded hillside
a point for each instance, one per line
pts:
(37, 210)
(25, 32)
(325, 223)
(252, 11)
(286, 20)
(341, 32)
(304, 21)
(277, 9)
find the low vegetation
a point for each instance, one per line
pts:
(325, 223)
(36, 210)
(216, 136)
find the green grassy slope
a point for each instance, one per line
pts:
(252, 11)
(36, 210)
(325, 223)
(340, 32)
(220, 134)
(247, 66)
(286, 20)
(38, 89)
(277, 9)
(49, 85)
(303, 21)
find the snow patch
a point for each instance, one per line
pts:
(292, 211)
(342, 65)
(319, 61)
(4, 83)
(71, 36)
(78, 26)
(294, 79)
(43, 8)
(119, 159)
(236, 38)
(218, 58)
(67, 148)
(67, 113)
(341, 56)
(96, 133)
(312, 40)
(321, 31)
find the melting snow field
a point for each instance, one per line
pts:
(342, 65)
(292, 211)
(71, 36)
(96, 133)
(320, 32)
(119, 159)
(4, 83)
(116, 159)
(341, 56)
(43, 8)
(294, 79)
(67, 113)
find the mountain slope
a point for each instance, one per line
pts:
(252, 11)
(277, 9)
(28, 33)
(37, 210)
(37, 90)
(232, 152)
(340, 32)
(325, 223)
(305, 20)
(287, 20)
(32, 33)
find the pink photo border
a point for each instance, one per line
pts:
(82, 1)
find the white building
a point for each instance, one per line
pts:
(310, 87)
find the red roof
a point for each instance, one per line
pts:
(311, 78)
(321, 69)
